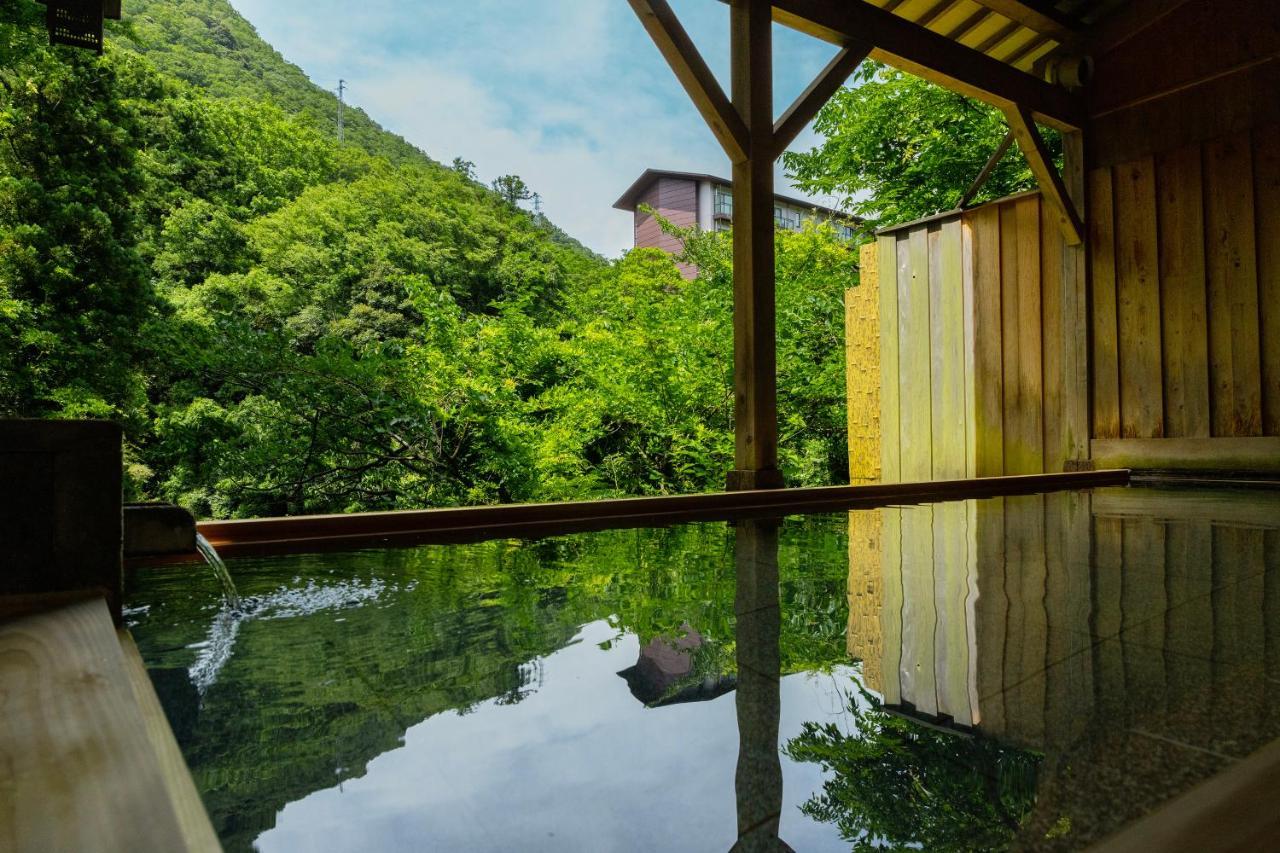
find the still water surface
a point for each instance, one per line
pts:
(1024, 673)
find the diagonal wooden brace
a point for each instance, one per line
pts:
(1051, 185)
(692, 72)
(831, 78)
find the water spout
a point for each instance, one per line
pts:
(220, 572)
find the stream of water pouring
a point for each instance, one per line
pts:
(211, 557)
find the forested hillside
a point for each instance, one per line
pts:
(285, 324)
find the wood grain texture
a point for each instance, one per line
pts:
(1053, 343)
(969, 331)
(1235, 358)
(1021, 321)
(862, 369)
(77, 766)
(1138, 301)
(193, 820)
(1258, 454)
(1183, 302)
(1105, 348)
(1075, 315)
(916, 427)
(890, 395)
(947, 368)
(988, 346)
(1266, 177)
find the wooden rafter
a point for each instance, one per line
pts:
(691, 70)
(1039, 17)
(934, 57)
(831, 78)
(1052, 187)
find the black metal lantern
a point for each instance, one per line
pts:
(78, 23)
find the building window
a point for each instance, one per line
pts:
(723, 202)
(784, 217)
(723, 226)
(846, 233)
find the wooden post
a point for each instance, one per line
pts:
(745, 128)
(754, 345)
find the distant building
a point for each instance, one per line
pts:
(689, 199)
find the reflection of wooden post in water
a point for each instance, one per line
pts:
(758, 782)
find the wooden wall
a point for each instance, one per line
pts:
(981, 345)
(862, 370)
(61, 524)
(1183, 219)
(1186, 287)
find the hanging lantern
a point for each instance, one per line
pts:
(78, 23)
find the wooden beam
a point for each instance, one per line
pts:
(691, 70)
(1040, 18)
(1259, 454)
(934, 57)
(831, 78)
(992, 162)
(754, 338)
(1051, 185)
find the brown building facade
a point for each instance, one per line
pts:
(690, 199)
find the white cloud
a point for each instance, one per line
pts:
(570, 95)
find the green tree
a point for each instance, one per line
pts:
(898, 148)
(512, 189)
(465, 168)
(897, 785)
(73, 286)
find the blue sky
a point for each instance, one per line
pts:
(569, 94)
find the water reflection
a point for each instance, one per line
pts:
(476, 703)
(1127, 639)
(1034, 672)
(758, 780)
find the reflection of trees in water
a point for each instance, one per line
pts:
(897, 783)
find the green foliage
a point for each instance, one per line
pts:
(896, 785)
(901, 148)
(288, 325)
(512, 188)
(73, 287)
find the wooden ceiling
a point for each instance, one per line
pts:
(1020, 33)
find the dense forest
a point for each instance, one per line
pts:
(285, 324)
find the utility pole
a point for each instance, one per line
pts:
(342, 87)
(537, 205)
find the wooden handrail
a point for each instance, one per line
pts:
(323, 532)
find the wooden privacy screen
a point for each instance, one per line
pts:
(862, 370)
(1186, 304)
(981, 345)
